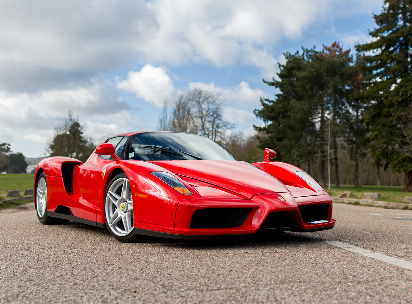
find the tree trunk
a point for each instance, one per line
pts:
(308, 166)
(322, 141)
(356, 171)
(335, 157)
(408, 181)
(378, 183)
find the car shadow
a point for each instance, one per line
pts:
(259, 239)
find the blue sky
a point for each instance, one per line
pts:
(114, 63)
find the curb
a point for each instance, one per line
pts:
(373, 203)
(27, 197)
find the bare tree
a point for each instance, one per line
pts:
(207, 113)
(198, 112)
(181, 119)
(163, 119)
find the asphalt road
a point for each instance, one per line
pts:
(75, 263)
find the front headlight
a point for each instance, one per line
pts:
(309, 180)
(173, 182)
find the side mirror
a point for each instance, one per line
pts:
(269, 153)
(106, 149)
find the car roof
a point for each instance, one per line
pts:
(133, 133)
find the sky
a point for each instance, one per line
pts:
(114, 63)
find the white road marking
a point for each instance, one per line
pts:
(374, 255)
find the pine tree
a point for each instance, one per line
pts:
(70, 141)
(289, 119)
(339, 71)
(354, 129)
(388, 86)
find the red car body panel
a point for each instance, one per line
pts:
(267, 189)
(238, 177)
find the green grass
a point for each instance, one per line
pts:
(14, 204)
(388, 193)
(19, 182)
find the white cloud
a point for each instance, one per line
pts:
(40, 110)
(241, 95)
(51, 45)
(27, 119)
(238, 116)
(151, 83)
(357, 37)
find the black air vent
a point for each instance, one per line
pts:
(63, 210)
(67, 175)
(314, 212)
(219, 217)
(282, 219)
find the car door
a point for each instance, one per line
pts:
(90, 180)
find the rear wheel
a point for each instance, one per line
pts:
(41, 203)
(118, 209)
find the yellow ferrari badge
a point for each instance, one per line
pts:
(104, 172)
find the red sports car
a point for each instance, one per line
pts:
(179, 186)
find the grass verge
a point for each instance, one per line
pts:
(19, 182)
(389, 194)
(14, 204)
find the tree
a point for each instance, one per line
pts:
(4, 160)
(198, 112)
(69, 140)
(181, 119)
(207, 113)
(355, 130)
(339, 72)
(163, 119)
(290, 126)
(388, 86)
(17, 163)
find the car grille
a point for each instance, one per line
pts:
(314, 212)
(219, 217)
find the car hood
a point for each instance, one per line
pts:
(236, 176)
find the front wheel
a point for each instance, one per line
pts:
(118, 209)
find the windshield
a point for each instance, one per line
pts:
(175, 146)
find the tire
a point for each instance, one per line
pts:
(118, 209)
(41, 203)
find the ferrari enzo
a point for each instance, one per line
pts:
(177, 185)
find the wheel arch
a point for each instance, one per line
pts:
(111, 175)
(36, 178)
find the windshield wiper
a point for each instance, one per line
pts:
(171, 150)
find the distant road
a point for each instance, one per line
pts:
(352, 263)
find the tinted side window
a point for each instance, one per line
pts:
(120, 146)
(114, 141)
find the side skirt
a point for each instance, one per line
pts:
(75, 219)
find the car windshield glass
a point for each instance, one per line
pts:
(175, 146)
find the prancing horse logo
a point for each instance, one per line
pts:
(122, 207)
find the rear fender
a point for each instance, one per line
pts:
(59, 171)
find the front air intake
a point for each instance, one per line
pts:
(281, 220)
(219, 217)
(314, 212)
